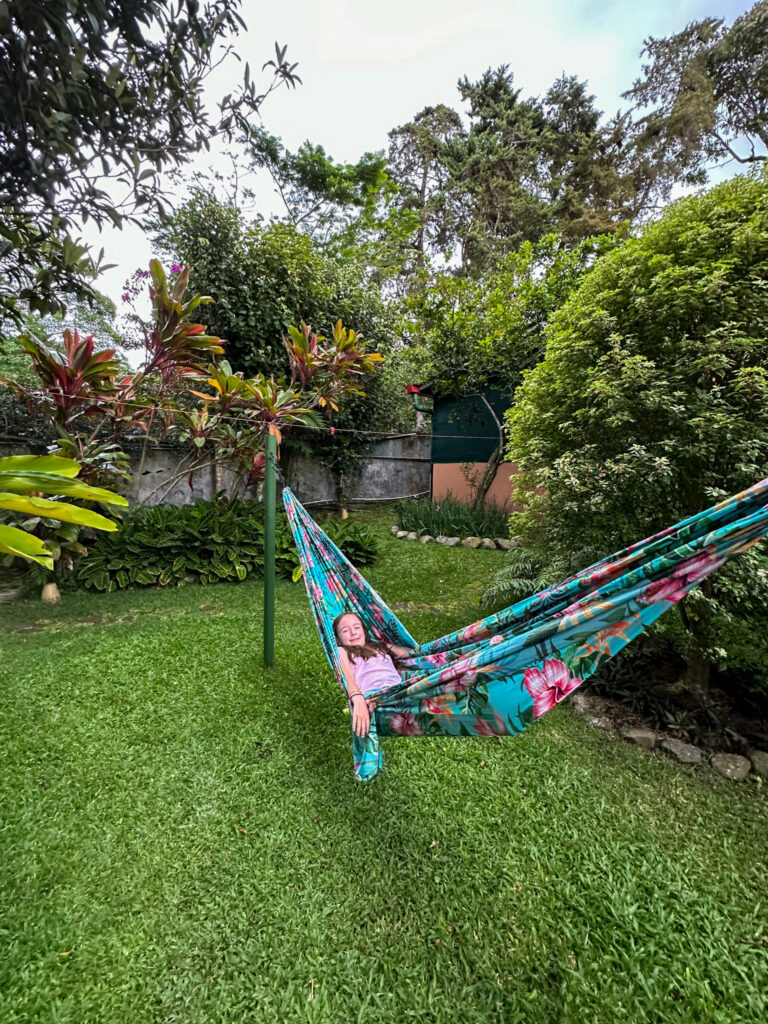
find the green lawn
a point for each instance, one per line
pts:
(183, 839)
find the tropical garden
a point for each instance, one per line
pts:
(183, 837)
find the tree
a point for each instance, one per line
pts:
(417, 152)
(527, 167)
(98, 95)
(329, 201)
(265, 277)
(703, 96)
(652, 400)
(486, 332)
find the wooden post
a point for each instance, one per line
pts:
(269, 549)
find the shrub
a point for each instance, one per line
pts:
(651, 403)
(452, 518)
(207, 542)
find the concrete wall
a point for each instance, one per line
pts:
(394, 467)
(455, 478)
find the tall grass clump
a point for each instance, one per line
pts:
(450, 517)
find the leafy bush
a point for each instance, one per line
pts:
(206, 542)
(452, 518)
(651, 403)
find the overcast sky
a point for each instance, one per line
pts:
(368, 66)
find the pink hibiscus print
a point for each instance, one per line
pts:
(406, 725)
(701, 565)
(437, 659)
(483, 727)
(498, 639)
(458, 676)
(549, 684)
(668, 589)
(460, 685)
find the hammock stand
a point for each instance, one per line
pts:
(499, 674)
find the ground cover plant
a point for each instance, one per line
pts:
(183, 835)
(206, 542)
(451, 517)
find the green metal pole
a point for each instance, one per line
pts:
(269, 551)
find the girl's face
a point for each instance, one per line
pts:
(350, 631)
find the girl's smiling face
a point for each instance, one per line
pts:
(350, 631)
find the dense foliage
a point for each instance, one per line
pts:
(92, 90)
(703, 97)
(652, 401)
(207, 542)
(263, 278)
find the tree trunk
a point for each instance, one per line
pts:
(697, 672)
(489, 475)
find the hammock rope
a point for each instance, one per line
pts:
(499, 674)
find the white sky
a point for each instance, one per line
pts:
(368, 66)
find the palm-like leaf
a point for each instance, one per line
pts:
(23, 478)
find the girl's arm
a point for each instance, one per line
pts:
(361, 716)
(399, 652)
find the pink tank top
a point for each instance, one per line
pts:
(377, 673)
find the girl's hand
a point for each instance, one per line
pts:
(361, 716)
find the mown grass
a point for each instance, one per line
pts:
(183, 839)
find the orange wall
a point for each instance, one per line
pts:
(450, 476)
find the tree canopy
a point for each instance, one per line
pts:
(652, 400)
(703, 97)
(99, 97)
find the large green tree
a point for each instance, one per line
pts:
(263, 278)
(331, 202)
(652, 400)
(702, 97)
(522, 168)
(98, 99)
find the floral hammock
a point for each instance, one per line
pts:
(496, 676)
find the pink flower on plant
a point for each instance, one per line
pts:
(549, 684)
(175, 268)
(406, 725)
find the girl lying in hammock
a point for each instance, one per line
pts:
(367, 665)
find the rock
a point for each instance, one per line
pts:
(451, 542)
(395, 530)
(50, 594)
(412, 535)
(426, 539)
(600, 722)
(732, 766)
(504, 543)
(488, 544)
(759, 759)
(471, 542)
(645, 738)
(584, 704)
(684, 752)
(401, 533)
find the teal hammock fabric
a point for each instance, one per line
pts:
(498, 675)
